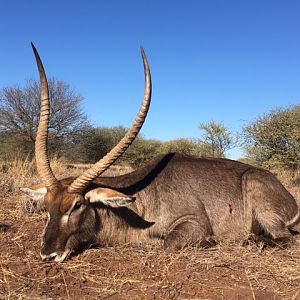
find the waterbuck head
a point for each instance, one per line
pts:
(71, 206)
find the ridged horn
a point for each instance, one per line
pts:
(41, 149)
(81, 183)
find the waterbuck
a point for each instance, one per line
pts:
(173, 200)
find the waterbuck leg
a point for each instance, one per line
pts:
(271, 206)
(190, 232)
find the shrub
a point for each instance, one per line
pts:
(273, 140)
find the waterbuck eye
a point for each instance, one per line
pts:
(77, 205)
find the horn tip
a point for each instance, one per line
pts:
(32, 45)
(35, 51)
(144, 56)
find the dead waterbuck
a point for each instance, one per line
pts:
(174, 200)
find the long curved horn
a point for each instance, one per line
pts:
(81, 183)
(41, 153)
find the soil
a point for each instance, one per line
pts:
(229, 271)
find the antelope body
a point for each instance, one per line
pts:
(174, 200)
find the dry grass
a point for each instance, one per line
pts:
(22, 172)
(228, 271)
(291, 180)
(127, 272)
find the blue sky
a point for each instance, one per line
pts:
(228, 61)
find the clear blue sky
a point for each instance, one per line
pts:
(228, 61)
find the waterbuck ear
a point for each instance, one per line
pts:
(35, 193)
(108, 197)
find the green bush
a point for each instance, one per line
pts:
(274, 139)
(141, 151)
(184, 146)
(217, 138)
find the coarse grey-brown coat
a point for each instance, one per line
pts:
(181, 200)
(201, 197)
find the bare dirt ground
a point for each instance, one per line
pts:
(229, 271)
